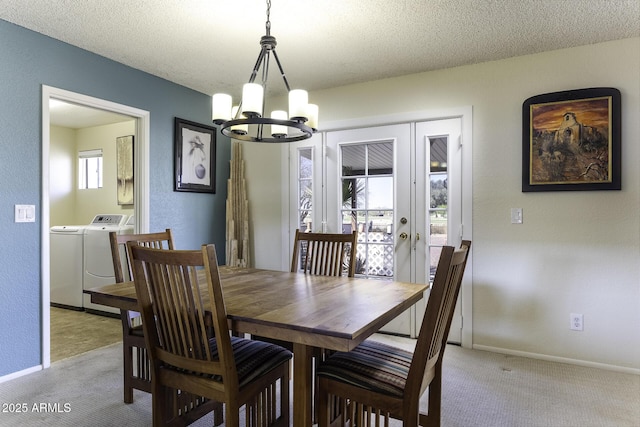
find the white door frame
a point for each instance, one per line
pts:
(141, 187)
(466, 115)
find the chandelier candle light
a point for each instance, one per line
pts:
(246, 121)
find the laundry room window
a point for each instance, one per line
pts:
(90, 169)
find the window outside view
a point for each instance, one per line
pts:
(438, 198)
(367, 205)
(89, 169)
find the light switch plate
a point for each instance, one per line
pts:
(25, 213)
(516, 215)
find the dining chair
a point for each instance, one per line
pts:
(136, 360)
(325, 254)
(190, 345)
(136, 366)
(376, 380)
(322, 254)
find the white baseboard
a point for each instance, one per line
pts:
(557, 359)
(20, 373)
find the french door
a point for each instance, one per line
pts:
(399, 186)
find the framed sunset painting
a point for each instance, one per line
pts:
(571, 141)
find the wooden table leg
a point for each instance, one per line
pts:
(302, 385)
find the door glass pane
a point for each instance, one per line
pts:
(306, 163)
(353, 193)
(379, 260)
(434, 254)
(438, 209)
(380, 159)
(305, 189)
(353, 160)
(380, 192)
(438, 200)
(368, 203)
(438, 154)
(438, 228)
(380, 226)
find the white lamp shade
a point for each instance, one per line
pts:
(312, 116)
(279, 130)
(252, 99)
(238, 129)
(298, 99)
(221, 106)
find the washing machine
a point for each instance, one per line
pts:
(129, 226)
(66, 248)
(98, 263)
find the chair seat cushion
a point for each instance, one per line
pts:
(253, 359)
(372, 366)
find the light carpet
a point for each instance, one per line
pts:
(479, 389)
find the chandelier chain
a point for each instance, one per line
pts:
(268, 23)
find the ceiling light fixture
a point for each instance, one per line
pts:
(247, 121)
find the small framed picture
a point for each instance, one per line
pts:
(195, 152)
(571, 141)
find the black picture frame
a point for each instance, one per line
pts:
(571, 141)
(195, 157)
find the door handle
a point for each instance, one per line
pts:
(404, 235)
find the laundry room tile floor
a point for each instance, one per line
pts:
(74, 332)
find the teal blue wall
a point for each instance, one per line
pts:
(29, 60)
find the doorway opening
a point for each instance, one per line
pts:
(83, 104)
(380, 176)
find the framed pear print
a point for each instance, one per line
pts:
(195, 152)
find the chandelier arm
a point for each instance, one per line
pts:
(265, 76)
(265, 70)
(256, 67)
(284, 77)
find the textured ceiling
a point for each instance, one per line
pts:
(212, 45)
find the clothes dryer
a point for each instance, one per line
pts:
(65, 279)
(98, 263)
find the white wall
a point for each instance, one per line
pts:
(577, 252)
(62, 187)
(68, 204)
(265, 204)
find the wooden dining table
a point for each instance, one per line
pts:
(335, 313)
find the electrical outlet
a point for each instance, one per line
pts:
(576, 322)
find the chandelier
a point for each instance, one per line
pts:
(248, 122)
